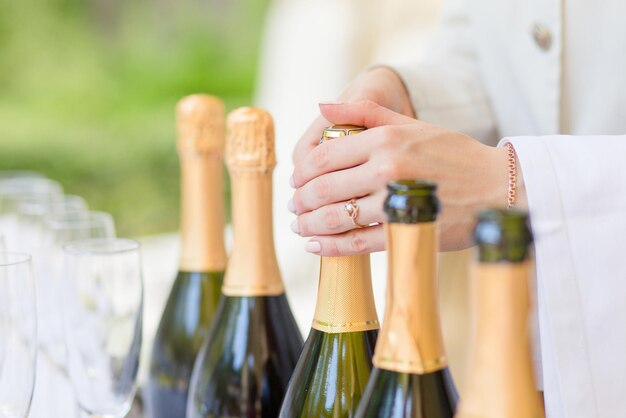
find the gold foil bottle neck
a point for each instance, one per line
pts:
(252, 268)
(501, 379)
(250, 145)
(345, 300)
(200, 145)
(200, 120)
(411, 340)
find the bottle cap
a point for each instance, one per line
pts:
(503, 235)
(250, 142)
(200, 120)
(337, 131)
(411, 201)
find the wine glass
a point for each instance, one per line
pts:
(24, 202)
(18, 334)
(102, 314)
(60, 230)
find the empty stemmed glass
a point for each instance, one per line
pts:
(102, 310)
(59, 231)
(18, 334)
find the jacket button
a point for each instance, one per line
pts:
(542, 36)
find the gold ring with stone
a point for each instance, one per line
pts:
(352, 209)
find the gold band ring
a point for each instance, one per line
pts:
(352, 209)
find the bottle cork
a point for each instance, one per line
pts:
(250, 143)
(200, 120)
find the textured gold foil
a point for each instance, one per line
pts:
(501, 381)
(200, 120)
(200, 145)
(410, 340)
(345, 300)
(250, 145)
(252, 268)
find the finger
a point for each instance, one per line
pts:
(334, 187)
(338, 154)
(309, 139)
(334, 219)
(363, 113)
(357, 241)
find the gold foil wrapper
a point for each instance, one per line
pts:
(501, 381)
(250, 145)
(345, 300)
(411, 340)
(252, 268)
(200, 145)
(200, 120)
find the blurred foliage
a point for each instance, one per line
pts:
(88, 89)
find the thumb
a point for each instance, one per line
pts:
(363, 113)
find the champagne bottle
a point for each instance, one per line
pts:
(501, 382)
(196, 290)
(410, 378)
(244, 366)
(336, 361)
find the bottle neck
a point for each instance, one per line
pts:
(500, 356)
(202, 213)
(345, 300)
(411, 340)
(252, 268)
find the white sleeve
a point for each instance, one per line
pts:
(576, 189)
(445, 84)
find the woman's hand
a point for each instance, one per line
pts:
(380, 85)
(469, 175)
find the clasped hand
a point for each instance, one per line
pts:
(469, 174)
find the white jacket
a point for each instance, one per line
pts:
(528, 72)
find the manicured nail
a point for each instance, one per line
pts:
(313, 247)
(292, 183)
(294, 226)
(291, 207)
(331, 103)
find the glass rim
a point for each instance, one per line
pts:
(64, 220)
(101, 246)
(15, 258)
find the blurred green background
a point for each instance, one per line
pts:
(88, 89)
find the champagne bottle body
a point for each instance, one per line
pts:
(501, 381)
(331, 375)
(411, 378)
(183, 327)
(244, 367)
(196, 291)
(404, 395)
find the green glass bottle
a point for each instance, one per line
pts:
(410, 378)
(245, 364)
(335, 365)
(336, 361)
(195, 294)
(501, 382)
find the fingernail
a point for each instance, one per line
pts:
(294, 226)
(313, 247)
(291, 207)
(331, 103)
(292, 183)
